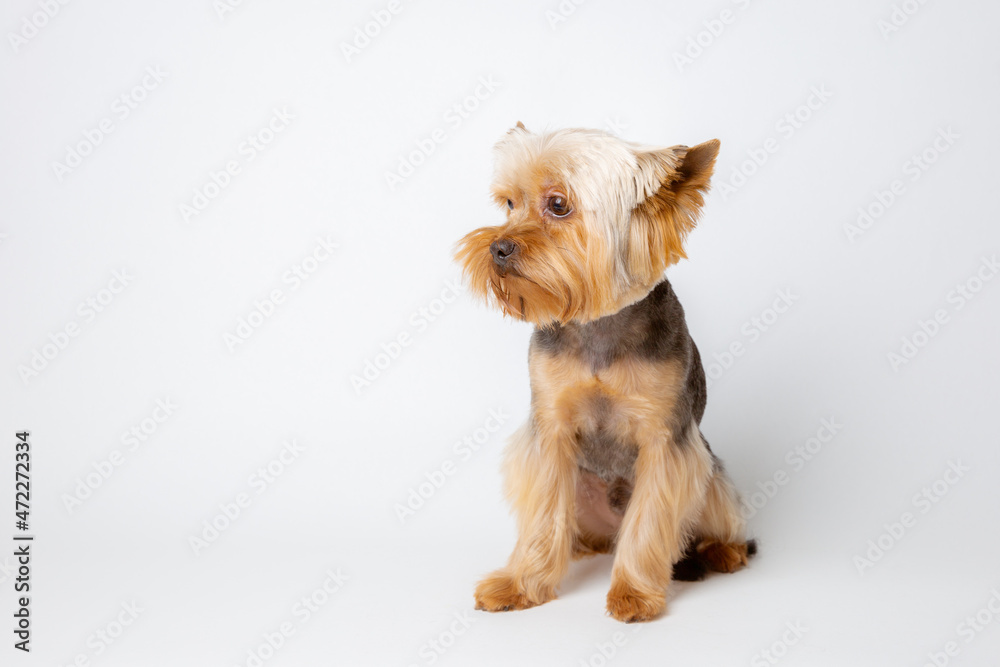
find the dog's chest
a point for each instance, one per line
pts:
(606, 374)
(595, 385)
(605, 445)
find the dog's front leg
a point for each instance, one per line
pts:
(540, 473)
(671, 479)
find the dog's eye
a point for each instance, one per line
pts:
(558, 206)
(510, 204)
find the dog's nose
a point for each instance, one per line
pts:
(502, 250)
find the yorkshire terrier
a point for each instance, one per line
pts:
(611, 459)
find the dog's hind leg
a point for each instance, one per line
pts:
(719, 541)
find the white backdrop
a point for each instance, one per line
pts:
(228, 297)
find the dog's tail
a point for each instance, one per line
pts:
(704, 556)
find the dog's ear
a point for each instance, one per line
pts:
(671, 183)
(518, 128)
(695, 171)
(684, 172)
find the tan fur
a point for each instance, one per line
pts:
(671, 482)
(540, 472)
(720, 519)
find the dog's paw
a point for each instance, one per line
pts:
(500, 592)
(725, 556)
(628, 605)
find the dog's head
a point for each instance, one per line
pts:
(592, 222)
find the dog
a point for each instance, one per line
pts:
(612, 458)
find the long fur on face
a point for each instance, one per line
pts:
(631, 208)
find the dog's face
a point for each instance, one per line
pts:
(592, 222)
